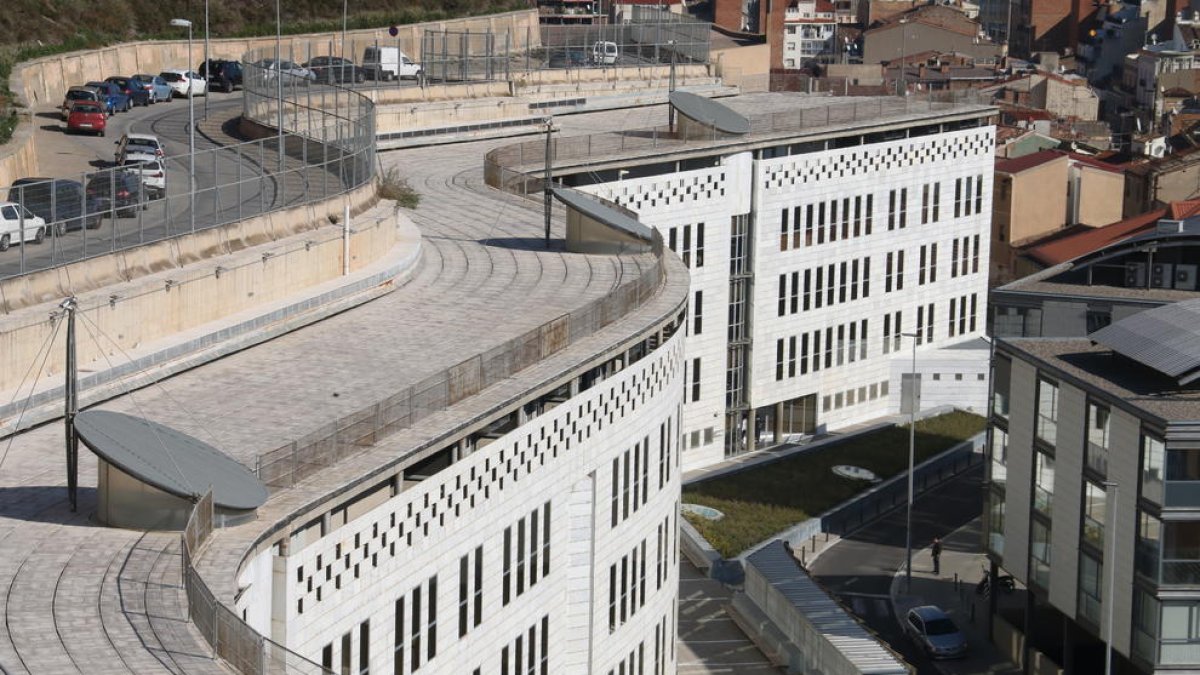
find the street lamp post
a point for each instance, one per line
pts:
(207, 65)
(1110, 528)
(185, 23)
(903, 45)
(913, 404)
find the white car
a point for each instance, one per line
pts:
(150, 170)
(294, 73)
(15, 221)
(130, 143)
(180, 80)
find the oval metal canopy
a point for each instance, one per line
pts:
(597, 210)
(707, 111)
(168, 459)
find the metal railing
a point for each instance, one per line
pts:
(327, 149)
(511, 167)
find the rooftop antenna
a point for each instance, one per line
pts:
(71, 388)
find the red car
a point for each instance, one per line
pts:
(87, 117)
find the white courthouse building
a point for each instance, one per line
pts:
(815, 242)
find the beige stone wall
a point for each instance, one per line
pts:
(1101, 196)
(43, 81)
(746, 67)
(127, 294)
(1039, 201)
(1071, 100)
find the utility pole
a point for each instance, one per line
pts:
(72, 405)
(913, 404)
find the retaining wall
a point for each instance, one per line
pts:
(151, 292)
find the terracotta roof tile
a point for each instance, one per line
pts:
(1059, 249)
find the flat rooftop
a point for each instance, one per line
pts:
(1121, 378)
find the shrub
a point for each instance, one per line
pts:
(393, 186)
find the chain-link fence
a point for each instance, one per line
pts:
(649, 42)
(146, 195)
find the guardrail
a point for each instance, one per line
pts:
(327, 149)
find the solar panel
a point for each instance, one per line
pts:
(1165, 338)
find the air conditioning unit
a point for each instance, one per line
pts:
(1135, 275)
(1169, 226)
(1185, 277)
(1162, 275)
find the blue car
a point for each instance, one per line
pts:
(157, 87)
(113, 98)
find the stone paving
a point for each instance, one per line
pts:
(81, 598)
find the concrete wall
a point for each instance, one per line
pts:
(885, 44)
(44, 80)
(18, 157)
(120, 292)
(1027, 205)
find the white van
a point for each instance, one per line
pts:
(605, 53)
(389, 63)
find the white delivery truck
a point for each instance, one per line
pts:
(389, 63)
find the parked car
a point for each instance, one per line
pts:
(567, 58)
(79, 94)
(158, 87)
(137, 95)
(223, 74)
(389, 63)
(605, 53)
(62, 203)
(87, 117)
(116, 191)
(935, 632)
(150, 170)
(293, 73)
(145, 142)
(182, 81)
(18, 225)
(331, 69)
(111, 94)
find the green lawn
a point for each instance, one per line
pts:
(771, 497)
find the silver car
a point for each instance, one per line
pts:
(935, 632)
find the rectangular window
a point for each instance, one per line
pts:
(887, 274)
(870, 215)
(843, 280)
(695, 380)
(866, 277)
(698, 313)
(896, 335)
(921, 267)
(478, 585)
(820, 295)
(821, 223)
(816, 362)
(612, 597)
(950, 325)
(779, 359)
(954, 258)
(1146, 550)
(533, 546)
(933, 260)
(804, 354)
(415, 629)
(464, 595)
(971, 320)
(841, 344)
(687, 246)
(1039, 553)
(829, 347)
(925, 203)
(1096, 450)
(1091, 576)
(1001, 385)
(937, 202)
(978, 195)
(782, 308)
(506, 576)
(1152, 469)
(792, 356)
(546, 539)
(1043, 483)
(1093, 514)
(891, 210)
(347, 641)
(783, 229)
(903, 208)
(795, 299)
(521, 553)
(957, 197)
(900, 270)
(364, 647)
(1047, 411)
(431, 629)
(808, 225)
(700, 245)
(975, 254)
(854, 279)
(807, 280)
(858, 216)
(999, 457)
(887, 333)
(831, 287)
(398, 637)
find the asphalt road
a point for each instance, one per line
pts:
(229, 183)
(859, 569)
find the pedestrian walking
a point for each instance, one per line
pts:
(935, 551)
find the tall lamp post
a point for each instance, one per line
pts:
(903, 78)
(914, 402)
(184, 23)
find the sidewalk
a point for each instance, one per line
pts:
(961, 558)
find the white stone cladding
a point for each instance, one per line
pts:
(711, 196)
(562, 458)
(766, 186)
(856, 172)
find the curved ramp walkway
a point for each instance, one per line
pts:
(80, 598)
